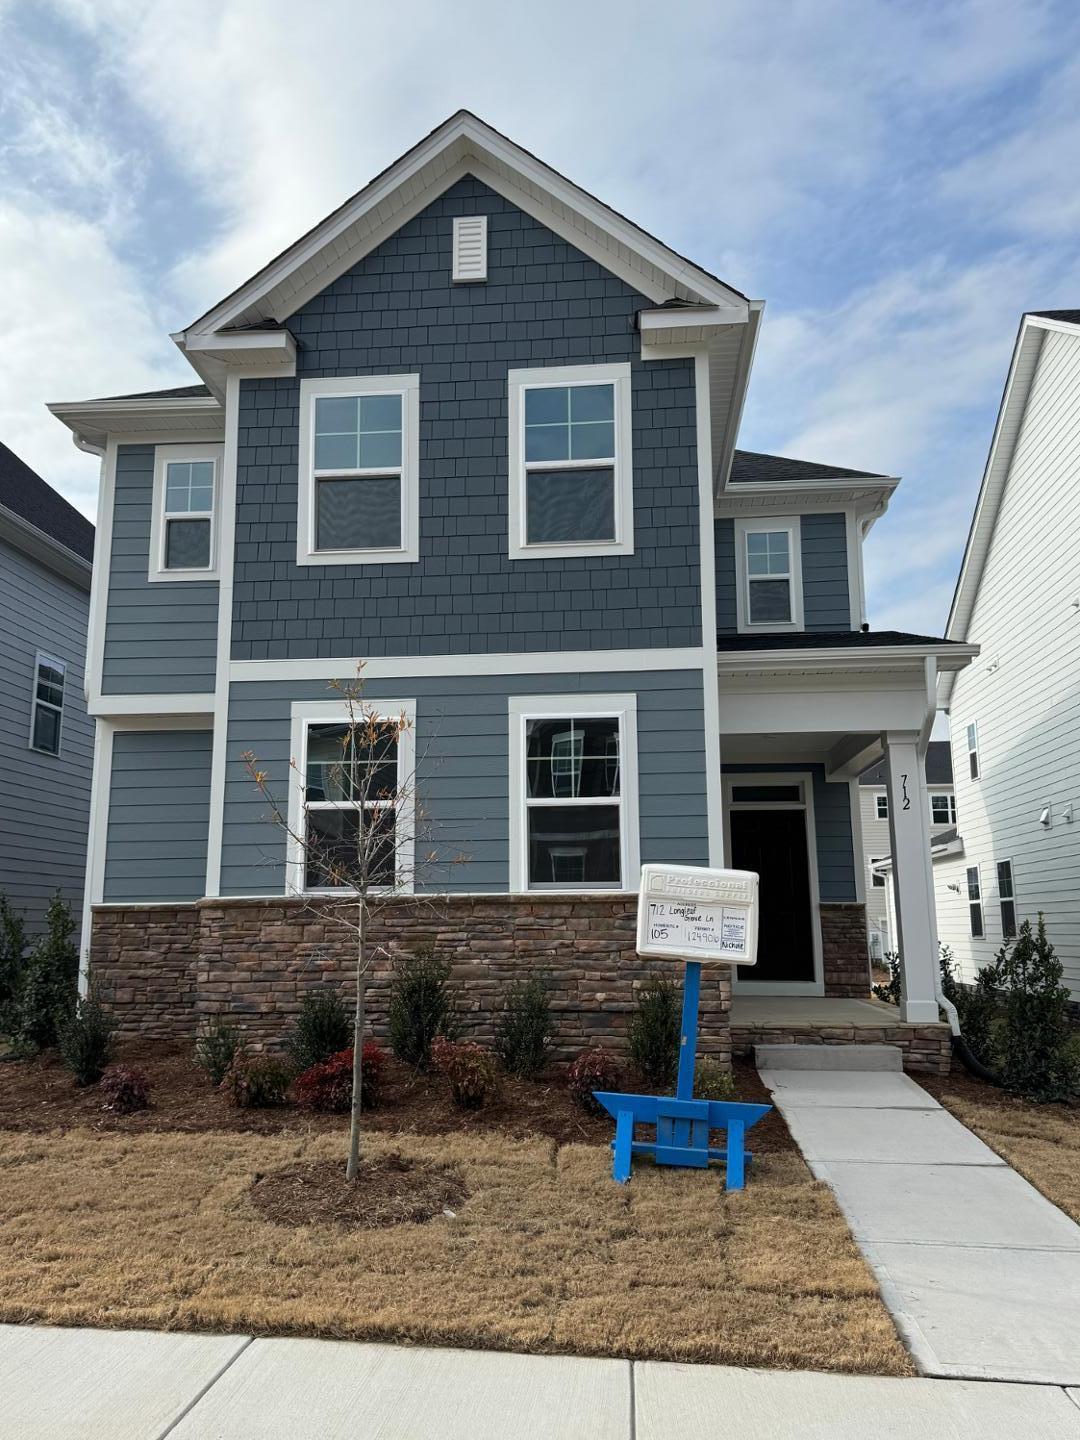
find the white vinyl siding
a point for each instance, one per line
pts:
(876, 843)
(1022, 689)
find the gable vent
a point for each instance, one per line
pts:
(470, 247)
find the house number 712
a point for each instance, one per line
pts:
(905, 797)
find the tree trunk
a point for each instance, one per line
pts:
(359, 1023)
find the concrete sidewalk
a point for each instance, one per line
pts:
(133, 1385)
(980, 1271)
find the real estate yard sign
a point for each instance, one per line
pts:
(707, 916)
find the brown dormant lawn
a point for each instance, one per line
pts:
(546, 1254)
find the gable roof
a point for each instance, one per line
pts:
(462, 144)
(1034, 325)
(751, 467)
(26, 495)
(938, 766)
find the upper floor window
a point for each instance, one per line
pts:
(769, 593)
(973, 750)
(1006, 899)
(359, 462)
(47, 705)
(975, 909)
(881, 803)
(571, 470)
(942, 809)
(573, 785)
(183, 521)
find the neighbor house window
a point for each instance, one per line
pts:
(350, 810)
(943, 809)
(359, 462)
(975, 909)
(183, 520)
(574, 785)
(882, 804)
(1006, 899)
(570, 462)
(877, 879)
(47, 705)
(973, 750)
(769, 575)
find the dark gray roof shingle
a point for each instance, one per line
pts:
(1070, 317)
(938, 766)
(826, 640)
(178, 392)
(34, 500)
(751, 467)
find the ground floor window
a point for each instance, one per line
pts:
(1006, 899)
(573, 788)
(975, 909)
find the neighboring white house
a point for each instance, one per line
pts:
(1015, 713)
(874, 807)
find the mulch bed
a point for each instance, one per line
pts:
(389, 1190)
(38, 1095)
(978, 1092)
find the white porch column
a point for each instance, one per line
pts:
(909, 836)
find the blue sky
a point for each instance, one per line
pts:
(896, 181)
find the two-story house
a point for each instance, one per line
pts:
(46, 736)
(477, 430)
(874, 807)
(1014, 718)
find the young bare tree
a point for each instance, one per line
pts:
(353, 832)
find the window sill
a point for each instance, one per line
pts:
(172, 577)
(571, 550)
(398, 556)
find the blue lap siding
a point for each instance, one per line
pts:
(823, 554)
(159, 815)
(397, 313)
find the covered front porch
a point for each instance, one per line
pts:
(836, 1020)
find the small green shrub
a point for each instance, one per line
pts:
(889, 992)
(654, 1032)
(595, 1069)
(323, 1028)
(256, 1082)
(523, 1039)
(217, 1048)
(470, 1069)
(46, 991)
(125, 1089)
(12, 954)
(712, 1080)
(86, 1040)
(328, 1087)
(1038, 1060)
(421, 1007)
(978, 1011)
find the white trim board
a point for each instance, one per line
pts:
(393, 667)
(710, 680)
(112, 707)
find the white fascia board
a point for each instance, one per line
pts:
(42, 547)
(656, 325)
(394, 667)
(110, 707)
(870, 496)
(463, 141)
(725, 427)
(95, 420)
(869, 657)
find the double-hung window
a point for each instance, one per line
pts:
(975, 909)
(47, 705)
(881, 803)
(350, 804)
(570, 463)
(769, 593)
(1006, 899)
(973, 750)
(573, 779)
(943, 809)
(183, 520)
(359, 470)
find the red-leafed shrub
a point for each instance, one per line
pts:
(125, 1089)
(329, 1086)
(470, 1069)
(592, 1070)
(255, 1081)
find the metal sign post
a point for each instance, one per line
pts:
(707, 917)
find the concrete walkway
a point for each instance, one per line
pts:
(133, 1385)
(980, 1271)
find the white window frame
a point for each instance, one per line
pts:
(1009, 899)
(306, 713)
(943, 795)
(975, 900)
(558, 377)
(164, 456)
(61, 665)
(349, 387)
(743, 528)
(973, 749)
(881, 806)
(522, 709)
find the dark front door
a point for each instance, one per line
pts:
(773, 842)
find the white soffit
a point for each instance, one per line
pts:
(462, 145)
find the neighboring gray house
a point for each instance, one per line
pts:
(874, 803)
(478, 431)
(46, 737)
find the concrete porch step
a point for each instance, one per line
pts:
(828, 1057)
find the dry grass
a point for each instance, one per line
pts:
(547, 1254)
(1041, 1141)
